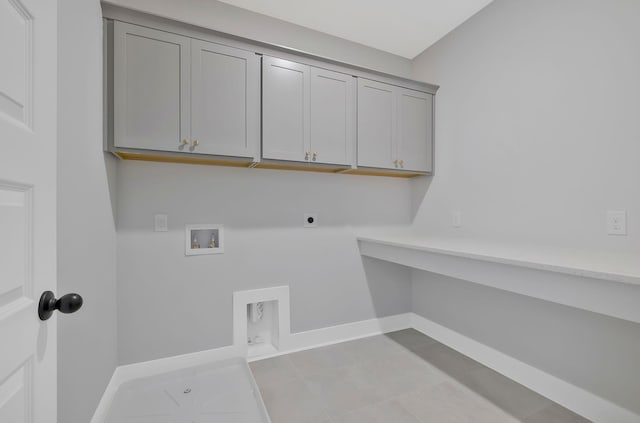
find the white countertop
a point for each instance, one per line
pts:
(615, 267)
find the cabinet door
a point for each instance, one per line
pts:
(415, 138)
(151, 88)
(225, 100)
(332, 123)
(285, 110)
(376, 124)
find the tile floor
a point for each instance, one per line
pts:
(400, 377)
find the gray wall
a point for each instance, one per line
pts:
(233, 20)
(87, 353)
(597, 353)
(262, 212)
(536, 137)
(170, 304)
(531, 145)
(537, 129)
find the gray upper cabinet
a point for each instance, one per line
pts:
(225, 100)
(285, 110)
(176, 94)
(376, 124)
(332, 117)
(394, 127)
(231, 102)
(308, 113)
(414, 132)
(151, 88)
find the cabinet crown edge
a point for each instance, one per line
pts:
(118, 13)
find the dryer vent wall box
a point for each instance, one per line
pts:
(256, 311)
(262, 328)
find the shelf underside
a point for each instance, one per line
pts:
(247, 163)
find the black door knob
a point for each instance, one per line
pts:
(69, 303)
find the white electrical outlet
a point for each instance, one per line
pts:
(161, 223)
(617, 222)
(456, 219)
(311, 220)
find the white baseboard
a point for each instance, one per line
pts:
(341, 333)
(570, 396)
(177, 362)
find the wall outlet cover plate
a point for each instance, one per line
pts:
(161, 222)
(456, 219)
(616, 222)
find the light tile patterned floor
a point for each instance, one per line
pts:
(401, 377)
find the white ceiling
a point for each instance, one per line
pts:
(402, 27)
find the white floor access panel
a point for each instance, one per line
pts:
(221, 392)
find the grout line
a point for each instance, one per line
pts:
(397, 347)
(306, 384)
(411, 413)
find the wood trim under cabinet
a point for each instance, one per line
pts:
(214, 161)
(383, 172)
(248, 163)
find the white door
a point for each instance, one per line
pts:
(285, 110)
(225, 100)
(332, 117)
(151, 93)
(376, 124)
(415, 120)
(28, 81)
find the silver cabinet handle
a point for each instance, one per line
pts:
(315, 156)
(306, 155)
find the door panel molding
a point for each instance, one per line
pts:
(16, 86)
